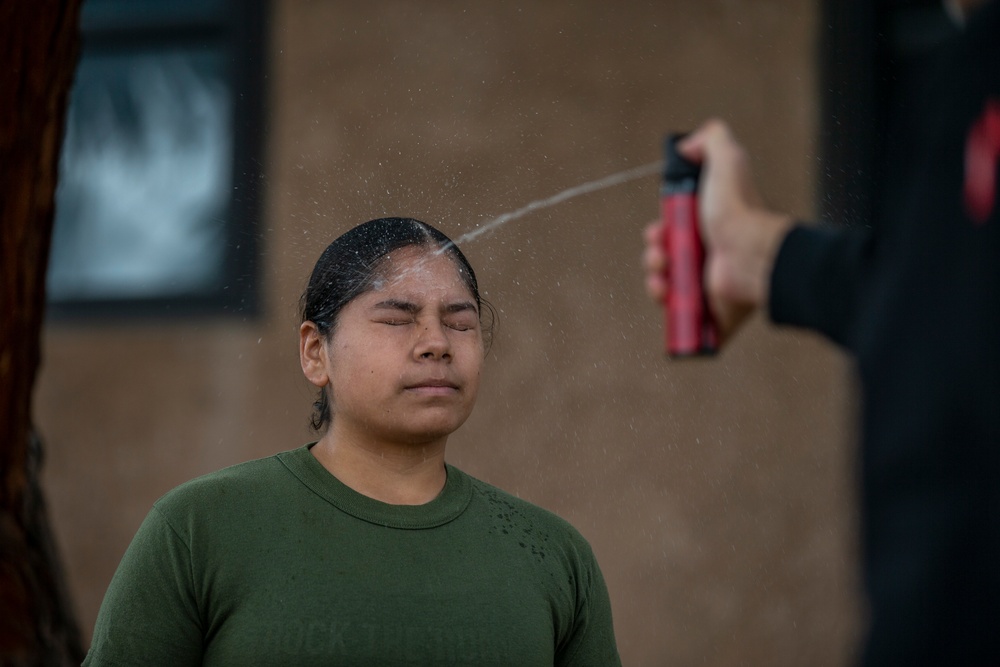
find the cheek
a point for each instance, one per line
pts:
(475, 374)
(348, 364)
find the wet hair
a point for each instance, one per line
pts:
(351, 266)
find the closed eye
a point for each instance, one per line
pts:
(461, 316)
(461, 323)
(395, 313)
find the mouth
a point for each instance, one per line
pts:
(433, 387)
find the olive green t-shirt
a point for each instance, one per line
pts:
(276, 562)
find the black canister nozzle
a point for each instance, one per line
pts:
(676, 167)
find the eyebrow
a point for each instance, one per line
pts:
(460, 306)
(396, 304)
(410, 307)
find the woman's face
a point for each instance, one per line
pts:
(404, 359)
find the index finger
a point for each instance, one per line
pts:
(706, 140)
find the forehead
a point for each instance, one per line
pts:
(421, 269)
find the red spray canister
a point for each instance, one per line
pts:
(690, 329)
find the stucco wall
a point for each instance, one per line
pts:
(718, 495)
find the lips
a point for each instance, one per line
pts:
(432, 384)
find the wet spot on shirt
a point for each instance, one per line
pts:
(510, 520)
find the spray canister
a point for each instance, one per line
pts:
(690, 329)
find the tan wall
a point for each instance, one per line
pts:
(718, 495)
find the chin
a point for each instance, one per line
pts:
(434, 430)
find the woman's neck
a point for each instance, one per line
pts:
(398, 474)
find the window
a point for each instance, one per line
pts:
(159, 188)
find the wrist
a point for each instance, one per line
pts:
(770, 231)
(742, 255)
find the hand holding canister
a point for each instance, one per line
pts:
(690, 329)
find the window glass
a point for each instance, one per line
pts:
(145, 177)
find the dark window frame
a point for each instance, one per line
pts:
(241, 26)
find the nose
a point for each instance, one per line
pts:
(432, 341)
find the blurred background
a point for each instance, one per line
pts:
(214, 149)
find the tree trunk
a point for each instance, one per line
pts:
(39, 42)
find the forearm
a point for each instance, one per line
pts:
(815, 280)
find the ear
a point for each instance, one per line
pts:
(312, 354)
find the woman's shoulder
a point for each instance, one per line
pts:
(225, 486)
(506, 507)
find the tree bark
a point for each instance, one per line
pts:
(39, 43)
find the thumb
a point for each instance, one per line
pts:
(700, 146)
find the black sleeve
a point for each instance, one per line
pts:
(816, 278)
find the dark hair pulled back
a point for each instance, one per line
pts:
(352, 264)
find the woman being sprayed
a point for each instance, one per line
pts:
(364, 548)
